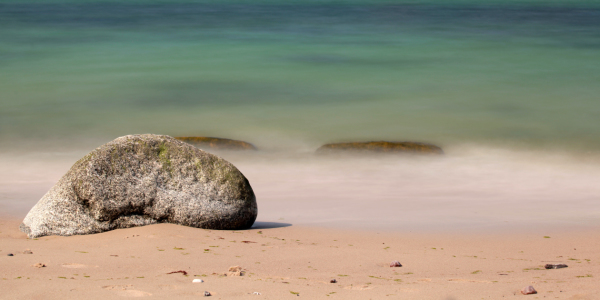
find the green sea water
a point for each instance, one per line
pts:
(294, 75)
(506, 88)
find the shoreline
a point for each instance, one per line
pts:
(279, 262)
(489, 192)
(455, 224)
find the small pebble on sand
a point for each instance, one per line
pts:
(395, 264)
(555, 266)
(235, 271)
(39, 265)
(206, 294)
(10, 254)
(197, 280)
(528, 290)
(333, 281)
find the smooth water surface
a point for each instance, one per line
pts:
(298, 74)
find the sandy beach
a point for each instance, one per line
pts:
(507, 90)
(475, 228)
(283, 262)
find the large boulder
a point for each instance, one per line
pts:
(381, 147)
(204, 142)
(145, 179)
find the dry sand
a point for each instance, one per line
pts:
(296, 262)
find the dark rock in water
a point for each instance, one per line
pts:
(138, 180)
(528, 290)
(381, 147)
(555, 266)
(216, 143)
(395, 264)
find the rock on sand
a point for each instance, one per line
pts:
(138, 180)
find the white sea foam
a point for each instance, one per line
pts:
(467, 188)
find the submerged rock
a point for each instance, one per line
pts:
(145, 179)
(381, 147)
(216, 143)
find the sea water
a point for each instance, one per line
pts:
(509, 89)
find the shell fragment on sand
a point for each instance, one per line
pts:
(380, 147)
(139, 180)
(197, 280)
(203, 142)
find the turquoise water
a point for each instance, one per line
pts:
(295, 75)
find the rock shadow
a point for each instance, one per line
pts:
(269, 225)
